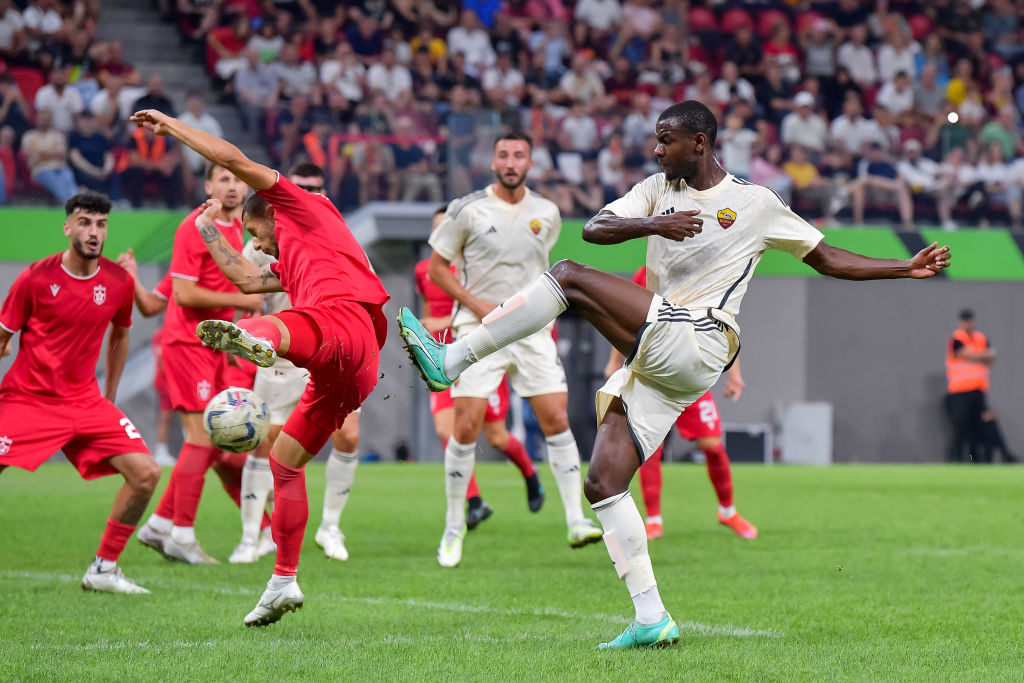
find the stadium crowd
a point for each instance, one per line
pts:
(900, 110)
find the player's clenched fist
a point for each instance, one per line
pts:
(680, 225)
(155, 120)
(211, 207)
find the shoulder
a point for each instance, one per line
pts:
(460, 204)
(759, 194)
(115, 272)
(42, 267)
(189, 222)
(543, 203)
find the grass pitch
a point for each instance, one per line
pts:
(860, 573)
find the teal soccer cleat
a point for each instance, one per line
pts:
(425, 351)
(636, 635)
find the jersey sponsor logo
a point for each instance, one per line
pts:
(54, 289)
(535, 226)
(203, 389)
(99, 294)
(5, 445)
(726, 217)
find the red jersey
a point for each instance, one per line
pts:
(439, 304)
(63, 319)
(191, 260)
(318, 259)
(165, 288)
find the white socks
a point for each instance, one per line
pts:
(517, 317)
(104, 565)
(276, 582)
(183, 534)
(257, 483)
(727, 512)
(626, 540)
(459, 460)
(564, 459)
(159, 524)
(341, 472)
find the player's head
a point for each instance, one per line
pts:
(258, 219)
(86, 223)
(438, 217)
(224, 185)
(686, 133)
(309, 177)
(512, 159)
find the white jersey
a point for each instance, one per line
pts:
(710, 271)
(499, 247)
(275, 301)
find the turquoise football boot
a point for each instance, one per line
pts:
(636, 635)
(425, 351)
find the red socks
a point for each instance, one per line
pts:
(516, 452)
(190, 472)
(291, 512)
(165, 508)
(263, 328)
(304, 336)
(650, 483)
(115, 536)
(473, 491)
(719, 473)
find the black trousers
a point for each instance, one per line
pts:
(965, 410)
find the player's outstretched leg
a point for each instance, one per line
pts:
(237, 340)
(721, 479)
(650, 486)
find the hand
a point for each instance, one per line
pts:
(6, 350)
(128, 262)
(250, 303)
(929, 261)
(481, 308)
(156, 121)
(680, 225)
(734, 386)
(211, 207)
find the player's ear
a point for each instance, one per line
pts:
(67, 226)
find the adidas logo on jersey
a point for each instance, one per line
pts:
(493, 229)
(668, 211)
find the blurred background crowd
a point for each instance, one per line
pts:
(896, 111)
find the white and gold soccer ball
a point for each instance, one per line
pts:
(237, 420)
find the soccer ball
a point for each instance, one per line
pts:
(237, 420)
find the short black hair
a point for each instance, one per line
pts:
(515, 135)
(211, 167)
(967, 314)
(694, 117)
(89, 201)
(306, 170)
(254, 205)
(441, 209)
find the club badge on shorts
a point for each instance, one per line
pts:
(726, 217)
(5, 445)
(203, 389)
(535, 226)
(99, 294)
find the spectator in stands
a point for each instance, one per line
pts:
(667, 60)
(922, 176)
(152, 160)
(878, 180)
(44, 26)
(1002, 28)
(857, 58)
(934, 53)
(896, 95)
(819, 41)
(228, 48)
(947, 131)
(766, 170)
(8, 163)
(568, 159)
(14, 110)
(602, 16)
(366, 38)
(13, 40)
(387, 76)
(92, 158)
(581, 129)
(457, 75)
(731, 88)
(62, 101)
(622, 84)
(611, 163)
(780, 48)
(702, 88)
(471, 40)
(194, 166)
(852, 131)
(998, 185)
(928, 94)
(802, 126)
(640, 121)
(850, 13)
(957, 23)
(737, 144)
(588, 196)
(745, 51)
(269, 43)
(295, 76)
(154, 98)
(581, 84)
(774, 95)
(111, 63)
(343, 75)
(505, 36)
(898, 54)
(412, 177)
(1003, 131)
(958, 179)
(256, 89)
(45, 150)
(503, 83)
(550, 45)
(808, 184)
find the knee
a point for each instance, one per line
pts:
(146, 477)
(465, 431)
(565, 272)
(347, 439)
(597, 488)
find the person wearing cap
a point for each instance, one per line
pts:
(802, 126)
(968, 358)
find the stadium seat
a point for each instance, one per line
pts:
(29, 81)
(806, 20)
(735, 18)
(768, 19)
(920, 26)
(702, 19)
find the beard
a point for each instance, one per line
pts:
(82, 249)
(510, 185)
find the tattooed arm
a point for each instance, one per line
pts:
(243, 273)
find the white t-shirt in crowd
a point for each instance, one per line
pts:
(63, 105)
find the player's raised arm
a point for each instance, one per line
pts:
(847, 265)
(243, 273)
(220, 152)
(149, 303)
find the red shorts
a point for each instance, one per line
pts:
(194, 374)
(241, 375)
(343, 371)
(700, 420)
(163, 394)
(88, 431)
(497, 403)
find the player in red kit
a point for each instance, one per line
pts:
(335, 328)
(194, 372)
(437, 308)
(699, 422)
(49, 399)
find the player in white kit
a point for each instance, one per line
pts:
(281, 386)
(706, 232)
(501, 238)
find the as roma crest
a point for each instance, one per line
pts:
(726, 217)
(535, 226)
(99, 294)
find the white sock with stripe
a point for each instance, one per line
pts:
(459, 460)
(564, 460)
(257, 483)
(341, 473)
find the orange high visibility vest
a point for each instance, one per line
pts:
(962, 374)
(142, 146)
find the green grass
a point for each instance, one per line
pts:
(860, 573)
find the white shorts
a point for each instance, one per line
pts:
(677, 358)
(281, 386)
(532, 366)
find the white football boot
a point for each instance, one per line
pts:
(449, 553)
(110, 581)
(584, 533)
(333, 542)
(266, 544)
(151, 538)
(244, 553)
(274, 603)
(189, 553)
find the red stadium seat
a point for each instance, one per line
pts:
(702, 19)
(735, 18)
(806, 20)
(29, 81)
(768, 19)
(920, 26)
